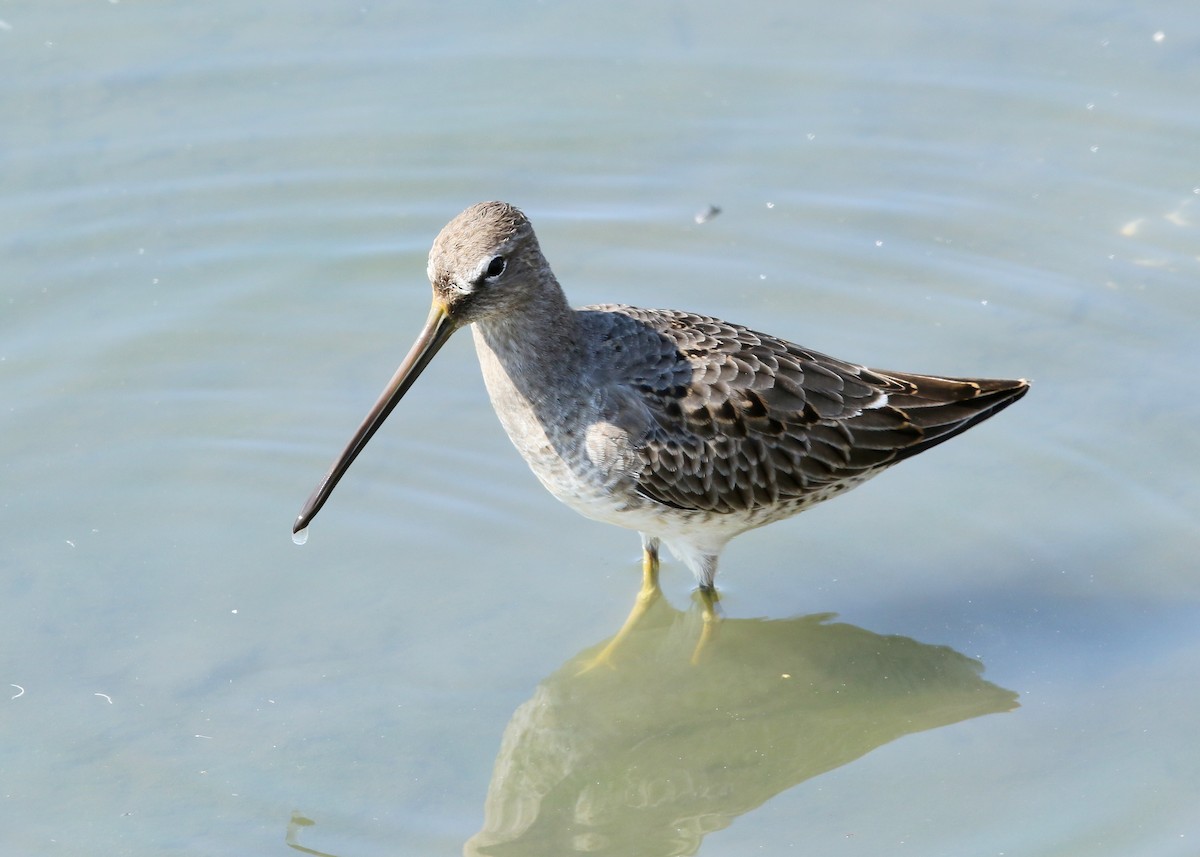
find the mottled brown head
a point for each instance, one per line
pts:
(486, 262)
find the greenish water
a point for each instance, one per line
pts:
(213, 225)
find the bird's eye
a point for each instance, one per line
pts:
(495, 267)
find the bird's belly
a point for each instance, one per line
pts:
(580, 468)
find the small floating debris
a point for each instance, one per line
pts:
(707, 214)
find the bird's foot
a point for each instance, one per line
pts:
(649, 593)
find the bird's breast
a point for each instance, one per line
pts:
(558, 424)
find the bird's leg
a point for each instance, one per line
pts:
(647, 595)
(709, 600)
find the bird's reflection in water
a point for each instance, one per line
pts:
(648, 757)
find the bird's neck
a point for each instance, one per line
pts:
(534, 353)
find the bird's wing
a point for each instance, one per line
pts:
(740, 420)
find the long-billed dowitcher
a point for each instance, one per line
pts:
(688, 429)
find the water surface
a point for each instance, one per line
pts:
(214, 226)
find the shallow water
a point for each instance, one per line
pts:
(215, 222)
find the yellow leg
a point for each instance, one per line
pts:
(709, 599)
(647, 595)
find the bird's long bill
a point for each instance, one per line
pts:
(438, 328)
